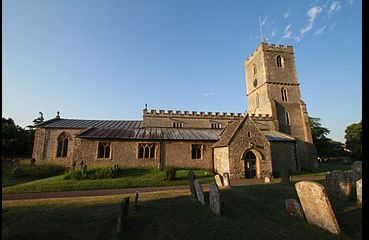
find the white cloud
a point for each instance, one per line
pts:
(288, 34)
(312, 14)
(321, 30)
(207, 94)
(286, 15)
(334, 8)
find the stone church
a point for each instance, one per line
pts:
(273, 135)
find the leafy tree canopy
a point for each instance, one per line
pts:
(354, 139)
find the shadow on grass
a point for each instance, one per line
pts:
(255, 212)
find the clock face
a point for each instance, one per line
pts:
(255, 82)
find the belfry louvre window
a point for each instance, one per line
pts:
(284, 94)
(178, 125)
(279, 61)
(62, 149)
(103, 150)
(146, 150)
(197, 151)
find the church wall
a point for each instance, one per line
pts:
(241, 142)
(221, 160)
(38, 144)
(283, 156)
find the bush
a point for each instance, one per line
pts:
(95, 173)
(170, 173)
(18, 172)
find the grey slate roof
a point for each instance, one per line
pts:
(78, 123)
(274, 136)
(153, 134)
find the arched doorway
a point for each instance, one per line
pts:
(250, 164)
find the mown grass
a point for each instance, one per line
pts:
(132, 178)
(322, 169)
(249, 212)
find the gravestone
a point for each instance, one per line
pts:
(359, 191)
(191, 179)
(285, 176)
(357, 166)
(136, 206)
(219, 181)
(214, 199)
(226, 182)
(353, 177)
(293, 208)
(316, 205)
(199, 192)
(338, 184)
(267, 179)
(123, 214)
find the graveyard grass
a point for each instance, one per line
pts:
(133, 177)
(252, 212)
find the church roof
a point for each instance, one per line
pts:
(152, 134)
(228, 133)
(78, 123)
(274, 136)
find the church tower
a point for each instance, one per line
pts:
(272, 88)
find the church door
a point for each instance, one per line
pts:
(250, 165)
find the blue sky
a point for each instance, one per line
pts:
(107, 59)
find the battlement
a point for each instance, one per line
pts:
(172, 113)
(261, 116)
(270, 47)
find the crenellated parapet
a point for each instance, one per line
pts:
(264, 117)
(271, 47)
(173, 113)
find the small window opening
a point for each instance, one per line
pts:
(103, 150)
(284, 94)
(197, 151)
(178, 125)
(62, 148)
(279, 61)
(287, 118)
(146, 150)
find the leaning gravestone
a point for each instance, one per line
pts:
(218, 180)
(357, 166)
(316, 205)
(285, 176)
(214, 198)
(359, 191)
(199, 192)
(122, 219)
(338, 184)
(191, 179)
(293, 208)
(226, 182)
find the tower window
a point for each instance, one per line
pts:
(254, 69)
(287, 118)
(146, 150)
(103, 150)
(279, 61)
(249, 134)
(197, 151)
(257, 100)
(178, 125)
(284, 94)
(255, 83)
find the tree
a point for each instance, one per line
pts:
(319, 138)
(16, 141)
(354, 140)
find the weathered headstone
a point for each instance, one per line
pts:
(191, 179)
(316, 205)
(136, 206)
(214, 199)
(359, 191)
(338, 184)
(293, 208)
(219, 181)
(285, 176)
(267, 179)
(199, 192)
(353, 176)
(357, 166)
(123, 214)
(226, 182)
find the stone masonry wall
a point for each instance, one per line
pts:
(221, 160)
(283, 156)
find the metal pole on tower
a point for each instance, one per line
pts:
(261, 31)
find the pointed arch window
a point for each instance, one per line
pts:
(254, 69)
(287, 118)
(103, 150)
(279, 61)
(62, 148)
(284, 94)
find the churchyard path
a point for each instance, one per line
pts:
(104, 192)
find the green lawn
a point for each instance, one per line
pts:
(133, 178)
(322, 169)
(250, 212)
